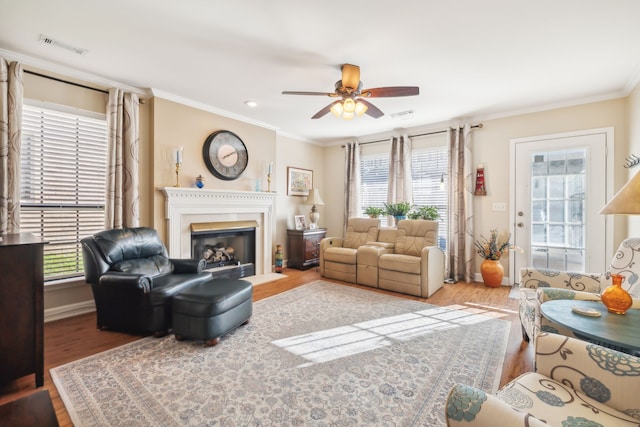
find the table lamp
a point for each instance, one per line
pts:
(625, 202)
(314, 199)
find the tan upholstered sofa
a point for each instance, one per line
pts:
(338, 256)
(403, 259)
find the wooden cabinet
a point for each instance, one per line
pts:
(303, 247)
(21, 307)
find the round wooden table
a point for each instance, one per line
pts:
(618, 331)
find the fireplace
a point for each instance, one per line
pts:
(228, 247)
(187, 206)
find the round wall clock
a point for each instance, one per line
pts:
(225, 155)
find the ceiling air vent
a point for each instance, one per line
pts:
(402, 115)
(53, 42)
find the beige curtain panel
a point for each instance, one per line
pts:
(352, 182)
(460, 250)
(11, 94)
(400, 183)
(122, 208)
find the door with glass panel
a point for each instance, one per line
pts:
(558, 188)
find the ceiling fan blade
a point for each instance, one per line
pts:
(391, 91)
(325, 110)
(372, 110)
(350, 76)
(293, 92)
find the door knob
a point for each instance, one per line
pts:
(521, 224)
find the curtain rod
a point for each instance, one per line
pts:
(479, 126)
(66, 81)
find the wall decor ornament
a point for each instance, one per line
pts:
(299, 181)
(480, 187)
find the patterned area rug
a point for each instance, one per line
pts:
(321, 354)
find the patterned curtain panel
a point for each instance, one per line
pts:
(352, 182)
(460, 253)
(400, 185)
(11, 94)
(122, 207)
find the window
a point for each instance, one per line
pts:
(428, 170)
(429, 175)
(62, 184)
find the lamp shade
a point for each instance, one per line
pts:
(627, 200)
(314, 198)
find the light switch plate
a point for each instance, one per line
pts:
(500, 206)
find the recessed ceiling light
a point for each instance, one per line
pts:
(251, 103)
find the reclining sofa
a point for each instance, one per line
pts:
(403, 259)
(133, 279)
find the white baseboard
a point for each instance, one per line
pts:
(62, 312)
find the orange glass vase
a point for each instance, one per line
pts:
(492, 272)
(616, 299)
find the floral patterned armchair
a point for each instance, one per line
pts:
(538, 286)
(576, 384)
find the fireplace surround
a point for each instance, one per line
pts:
(187, 206)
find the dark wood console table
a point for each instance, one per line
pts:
(21, 307)
(303, 247)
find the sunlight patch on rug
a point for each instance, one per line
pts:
(316, 355)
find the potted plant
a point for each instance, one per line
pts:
(491, 250)
(374, 211)
(425, 212)
(398, 210)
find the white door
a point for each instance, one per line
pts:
(559, 184)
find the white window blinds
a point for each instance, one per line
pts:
(62, 184)
(429, 176)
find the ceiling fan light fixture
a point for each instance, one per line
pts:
(337, 109)
(347, 115)
(361, 108)
(349, 105)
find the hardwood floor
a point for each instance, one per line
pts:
(77, 337)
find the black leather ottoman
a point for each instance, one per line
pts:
(209, 310)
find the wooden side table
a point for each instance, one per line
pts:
(303, 247)
(617, 331)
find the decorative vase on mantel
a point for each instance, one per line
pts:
(492, 272)
(615, 298)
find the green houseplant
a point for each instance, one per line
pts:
(425, 212)
(398, 210)
(374, 211)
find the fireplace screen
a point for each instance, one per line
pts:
(224, 244)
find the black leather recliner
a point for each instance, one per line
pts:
(134, 280)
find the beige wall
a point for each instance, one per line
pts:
(165, 124)
(491, 146)
(175, 124)
(634, 148)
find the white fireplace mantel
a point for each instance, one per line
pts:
(184, 206)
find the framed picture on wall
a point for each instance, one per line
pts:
(299, 181)
(299, 222)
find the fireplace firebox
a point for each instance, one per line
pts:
(228, 247)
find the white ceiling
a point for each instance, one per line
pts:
(471, 59)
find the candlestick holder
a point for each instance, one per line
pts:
(269, 183)
(178, 174)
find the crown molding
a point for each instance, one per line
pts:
(70, 72)
(206, 107)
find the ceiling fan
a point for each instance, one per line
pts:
(351, 95)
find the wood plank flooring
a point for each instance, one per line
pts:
(71, 339)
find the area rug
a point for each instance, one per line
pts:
(317, 355)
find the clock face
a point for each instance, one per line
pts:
(225, 155)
